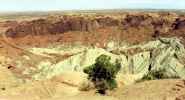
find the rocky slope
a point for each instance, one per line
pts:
(41, 78)
(154, 23)
(97, 29)
(137, 60)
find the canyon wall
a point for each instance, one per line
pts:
(97, 29)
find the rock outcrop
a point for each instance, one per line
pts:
(137, 60)
(45, 26)
(140, 26)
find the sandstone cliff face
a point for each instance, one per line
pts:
(160, 24)
(134, 27)
(8, 23)
(44, 26)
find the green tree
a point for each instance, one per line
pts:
(103, 73)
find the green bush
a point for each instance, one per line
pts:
(157, 74)
(103, 73)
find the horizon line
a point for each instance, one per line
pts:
(93, 9)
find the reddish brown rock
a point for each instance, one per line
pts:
(44, 26)
(135, 27)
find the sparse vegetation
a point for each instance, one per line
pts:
(103, 73)
(157, 74)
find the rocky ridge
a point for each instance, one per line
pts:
(136, 60)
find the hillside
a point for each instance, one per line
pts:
(43, 58)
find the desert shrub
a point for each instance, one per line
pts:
(103, 73)
(157, 74)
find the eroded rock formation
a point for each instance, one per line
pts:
(136, 27)
(45, 26)
(167, 53)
